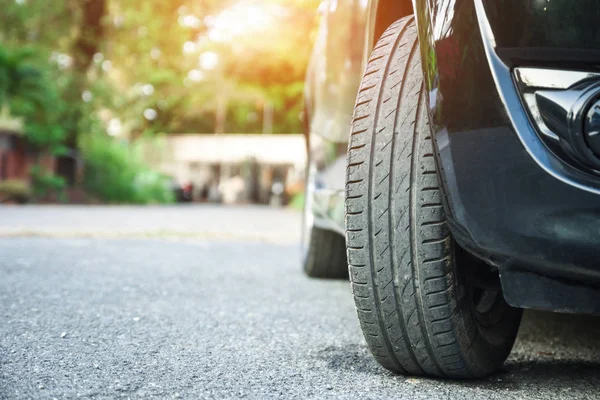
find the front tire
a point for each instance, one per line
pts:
(420, 312)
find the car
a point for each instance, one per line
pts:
(472, 182)
(332, 79)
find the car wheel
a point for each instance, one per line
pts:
(426, 306)
(325, 256)
(323, 251)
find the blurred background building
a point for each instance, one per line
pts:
(233, 167)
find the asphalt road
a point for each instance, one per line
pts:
(98, 309)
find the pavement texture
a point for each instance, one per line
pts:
(162, 312)
(183, 221)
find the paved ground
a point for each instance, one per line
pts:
(200, 222)
(210, 312)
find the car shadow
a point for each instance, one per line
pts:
(546, 375)
(554, 352)
(350, 357)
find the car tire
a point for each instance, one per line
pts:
(417, 293)
(323, 251)
(325, 256)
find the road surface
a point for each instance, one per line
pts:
(185, 302)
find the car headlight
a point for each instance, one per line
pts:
(564, 106)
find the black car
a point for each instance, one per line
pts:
(472, 184)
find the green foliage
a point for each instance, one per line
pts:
(141, 43)
(17, 191)
(30, 93)
(115, 173)
(46, 24)
(258, 63)
(297, 202)
(19, 80)
(46, 184)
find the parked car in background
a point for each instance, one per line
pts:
(472, 183)
(332, 80)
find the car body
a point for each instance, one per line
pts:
(332, 80)
(510, 91)
(346, 35)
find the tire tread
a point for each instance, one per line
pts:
(400, 250)
(326, 255)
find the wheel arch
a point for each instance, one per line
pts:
(386, 13)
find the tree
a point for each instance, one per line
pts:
(135, 64)
(27, 92)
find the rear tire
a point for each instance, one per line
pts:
(326, 255)
(323, 251)
(419, 309)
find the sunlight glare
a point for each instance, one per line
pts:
(209, 60)
(241, 19)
